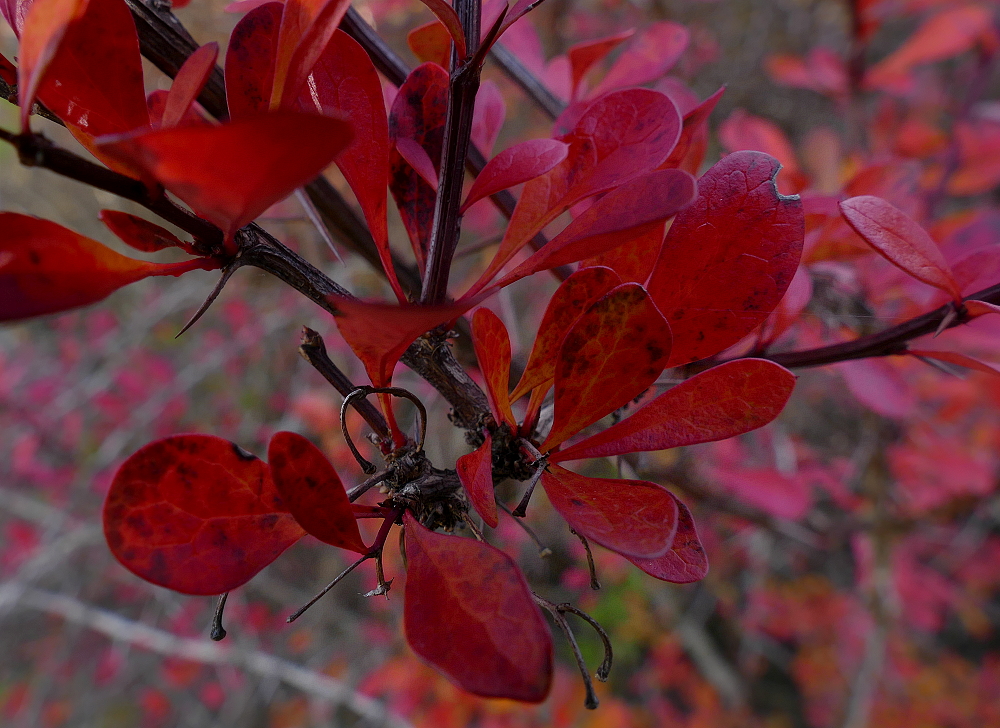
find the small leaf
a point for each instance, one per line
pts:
(196, 514)
(213, 170)
(632, 517)
(515, 165)
(900, 240)
(952, 357)
(492, 345)
(584, 55)
(449, 18)
(725, 401)
(469, 612)
(312, 492)
(610, 355)
(653, 52)
(686, 561)
(488, 117)
(728, 257)
(46, 268)
(8, 71)
(250, 55)
(306, 28)
(475, 470)
(431, 43)
(690, 149)
(139, 233)
(188, 83)
(976, 309)
(417, 158)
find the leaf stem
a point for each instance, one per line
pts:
(218, 632)
(556, 610)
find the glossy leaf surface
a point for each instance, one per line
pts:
(468, 611)
(900, 240)
(492, 345)
(515, 165)
(312, 492)
(610, 355)
(188, 83)
(728, 257)
(140, 233)
(685, 562)
(253, 45)
(725, 401)
(475, 470)
(631, 517)
(212, 169)
(196, 514)
(46, 268)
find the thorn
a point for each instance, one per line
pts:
(522, 507)
(227, 272)
(947, 321)
(314, 217)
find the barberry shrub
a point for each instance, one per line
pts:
(662, 266)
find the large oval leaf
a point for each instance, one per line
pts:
(196, 514)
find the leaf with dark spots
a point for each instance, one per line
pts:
(475, 470)
(188, 84)
(725, 401)
(46, 268)
(140, 233)
(631, 517)
(728, 257)
(469, 612)
(190, 514)
(685, 561)
(492, 345)
(574, 296)
(311, 490)
(250, 60)
(610, 355)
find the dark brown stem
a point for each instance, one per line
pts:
(218, 632)
(301, 610)
(594, 583)
(556, 610)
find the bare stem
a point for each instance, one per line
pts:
(218, 632)
(299, 612)
(591, 702)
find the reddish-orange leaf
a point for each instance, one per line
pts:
(686, 561)
(139, 233)
(306, 28)
(976, 309)
(469, 612)
(633, 262)
(449, 18)
(610, 355)
(188, 83)
(431, 43)
(44, 27)
(584, 55)
(230, 174)
(653, 52)
(196, 514)
(746, 131)
(632, 517)
(46, 268)
(311, 490)
(728, 257)
(725, 401)
(900, 240)
(574, 296)
(952, 357)
(250, 60)
(492, 345)
(475, 470)
(156, 103)
(515, 165)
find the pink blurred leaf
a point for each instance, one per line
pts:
(488, 117)
(652, 53)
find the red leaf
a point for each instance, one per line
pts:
(46, 268)
(250, 60)
(492, 345)
(418, 113)
(188, 83)
(306, 28)
(976, 309)
(98, 87)
(725, 401)
(822, 71)
(623, 215)
(612, 353)
(8, 71)
(584, 55)
(877, 384)
(745, 131)
(574, 296)
(431, 43)
(631, 517)
(212, 169)
(653, 52)
(488, 117)
(44, 27)
(449, 18)
(312, 492)
(344, 83)
(156, 103)
(961, 360)
(686, 561)
(141, 234)
(690, 149)
(515, 165)
(417, 158)
(633, 262)
(900, 240)
(196, 514)
(469, 612)
(475, 470)
(727, 258)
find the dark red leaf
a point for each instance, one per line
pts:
(449, 18)
(230, 174)
(469, 612)
(653, 52)
(306, 28)
(196, 514)
(250, 60)
(46, 268)
(686, 561)
(632, 517)
(188, 83)
(899, 239)
(140, 234)
(690, 149)
(727, 258)
(515, 165)
(492, 345)
(584, 55)
(475, 470)
(610, 355)
(312, 492)
(431, 43)
(725, 401)
(574, 296)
